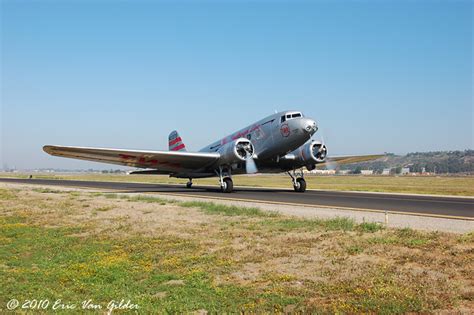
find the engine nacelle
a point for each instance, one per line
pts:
(311, 153)
(236, 151)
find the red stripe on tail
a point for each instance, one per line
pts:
(179, 147)
(172, 142)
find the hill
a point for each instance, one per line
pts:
(439, 162)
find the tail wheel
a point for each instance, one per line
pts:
(189, 184)
(228, 185)
(300, 185)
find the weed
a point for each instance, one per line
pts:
(354, 249)
(6, 194)
(148, 199)
(47, 191)
(213, 208)
(111, 196)
(466, 238)
(370, 227)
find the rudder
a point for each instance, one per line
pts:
(175, 143)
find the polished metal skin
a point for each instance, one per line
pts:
(278, 143)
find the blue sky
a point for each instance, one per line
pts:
(378, 76)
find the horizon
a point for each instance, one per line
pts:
(377, 77)
(109, 167)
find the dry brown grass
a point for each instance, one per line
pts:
(325, 269)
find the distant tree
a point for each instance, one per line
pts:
(398, 170)
(357, 170)
(416, 168)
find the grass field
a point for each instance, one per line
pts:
(442, 185)
(168, 256)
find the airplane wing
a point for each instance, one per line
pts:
(164, 161)
(349, 159)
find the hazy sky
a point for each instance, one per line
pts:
(378, 76)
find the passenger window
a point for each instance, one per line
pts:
(283, 118)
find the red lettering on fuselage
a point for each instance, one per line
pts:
(240, 134)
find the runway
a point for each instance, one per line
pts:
(454, 207)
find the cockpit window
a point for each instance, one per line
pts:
(291, 116)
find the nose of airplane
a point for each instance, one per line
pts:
(309, 126)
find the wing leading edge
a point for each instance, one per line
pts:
(164, 161)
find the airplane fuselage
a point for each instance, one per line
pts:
(272, 137)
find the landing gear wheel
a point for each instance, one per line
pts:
(300, 185)
(189, 184)
(227, 185)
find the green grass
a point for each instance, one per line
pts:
(370, 227)
(149, 199)
(213, 208)
(438, 185)
(289, 224)
(104, 269)
(180, 266)
(466, 238)
(48, 191)
(273, 219)
(6, 194)
(406, 237)
(139, 198)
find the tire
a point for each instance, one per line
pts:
(228, 185)
(301, 185)
(189, 185)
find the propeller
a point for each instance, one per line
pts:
(250, 166)
(247, 148)
(329, 163)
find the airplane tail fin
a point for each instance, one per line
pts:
(175, 143)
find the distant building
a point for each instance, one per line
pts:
(367, 172)
(405, 171)
(324, 172)
(344, 172)
(386, 171)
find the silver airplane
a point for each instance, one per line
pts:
(278, 143)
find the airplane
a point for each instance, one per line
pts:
(281, 142)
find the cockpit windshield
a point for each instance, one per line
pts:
(289, 116)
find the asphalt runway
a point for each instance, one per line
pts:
(460, 208)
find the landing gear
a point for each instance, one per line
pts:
(299, 183)
(189, 184)
(225, 180)
(228, 185)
